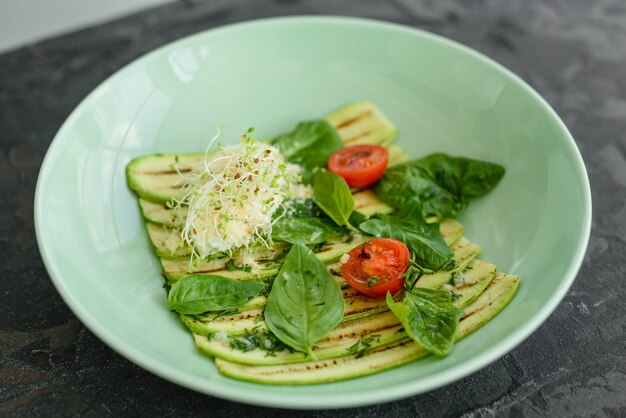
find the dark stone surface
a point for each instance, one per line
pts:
(572, 52)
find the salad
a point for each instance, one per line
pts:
(321, 254)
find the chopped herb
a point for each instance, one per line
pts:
(373, 281)
(166, 284)
(224, 312)
(414, 273)
(358, 349)
(259, 318)
(258, 338)
(452, 278)
(268, 286)
(232, 267)
(454, 296)
(271, 265)
(449, 265)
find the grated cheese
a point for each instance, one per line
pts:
(302, 191)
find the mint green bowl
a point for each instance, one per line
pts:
(271, 74)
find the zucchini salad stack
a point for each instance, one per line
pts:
(370, 338)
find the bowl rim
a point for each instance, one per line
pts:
(314, 401)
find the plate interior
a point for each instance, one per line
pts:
(270, 75)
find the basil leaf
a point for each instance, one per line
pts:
(197, 293)
(305, 302)
(428, 317)
(422, 239)
(332, 195)
(309, 145)
(305, 230)
(441, 183)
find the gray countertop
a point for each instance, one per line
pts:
(573, 53)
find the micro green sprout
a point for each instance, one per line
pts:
(232, 196)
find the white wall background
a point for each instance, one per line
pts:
(23, 22)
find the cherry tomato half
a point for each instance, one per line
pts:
(359, 165)
(376, 267)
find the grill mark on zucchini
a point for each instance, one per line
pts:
(176, 186)
(477, 264)
(352, 120)
(321, 364)
(364, 304)
(160, 214)
(152, 206)
(363, 333)
(495, 291)
(209, 271)
(357, 137)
